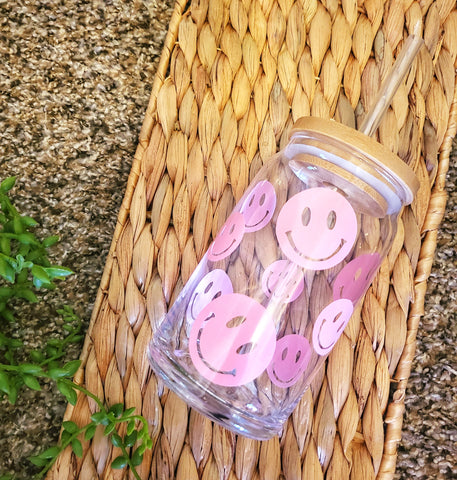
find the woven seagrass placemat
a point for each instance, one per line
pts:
(232, 79)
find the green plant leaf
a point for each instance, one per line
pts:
(72, 367)
(12, 395)
(31, 382)
(68, 392)
(17, 225)
(117, 409)
(142, 448)
(27, 239)
(109, 429)
(49, 453)
(137, 458)
(70, 426)
(7, 314)
(36, 356)
(7, 292)
(22, 277)
(5, 245)
(4, 382)
(30, 368)
(49, 241)
(7, 184)
(56, 373)
(119, 462)
(39, 462)
(28, 221)
(26, 294)
(128, 412)
(77, 447)
(7, 271)
(129, 440)
(116, 440)
(65, 437)
(58, 272)
(40, 274)
(100, 417)
(90, 431)
(7, 476)
(130, 427)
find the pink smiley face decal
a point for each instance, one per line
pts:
(291, 357)
(232, 341)
(316, 228)
(228, 238)
(259, 206)
(212, 285)
(283, 280)
(330, 325)
(355, 278)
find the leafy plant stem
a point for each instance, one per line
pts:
(129, 462)
(61, 448)
(85, 392)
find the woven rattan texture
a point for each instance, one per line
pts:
(233, 77)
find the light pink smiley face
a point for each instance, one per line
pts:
(259, 206)
(316, 228)
(232, 341)
(212, 285)
(291, 357)
(228, 238)
(283, 280)
(330, 325)
(355, 278)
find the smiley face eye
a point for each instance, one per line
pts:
(306, 216)
(337, 317)
(208, 288)
(246, 348)
(331, 220)
(262, 199)
(236, 322)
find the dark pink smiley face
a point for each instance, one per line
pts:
(228, 238)
(232, 341)
(330, 325)
(212, 285)
(355, 278)
(291, 357)
(259, 206)
(283, 280)
(316, 228)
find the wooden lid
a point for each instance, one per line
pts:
(406, 182)
(365, 198)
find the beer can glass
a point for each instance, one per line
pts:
(279, 283)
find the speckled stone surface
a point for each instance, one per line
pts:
(75, 80)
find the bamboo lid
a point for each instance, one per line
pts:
(404, 181)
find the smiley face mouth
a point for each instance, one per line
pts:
(260, 221)
(280, 287)
(200, 354)
(339, 331)
(286, 381)
(218, 254)
(306, 257)
(192, 305)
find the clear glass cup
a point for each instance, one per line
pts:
(278, 285)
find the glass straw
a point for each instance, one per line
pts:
(390, 84)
